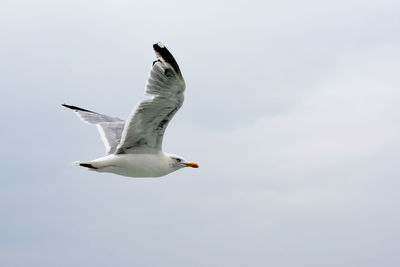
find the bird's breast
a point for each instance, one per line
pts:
(140, 165)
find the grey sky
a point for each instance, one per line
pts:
(292, 112)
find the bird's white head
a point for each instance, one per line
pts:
(178, 162)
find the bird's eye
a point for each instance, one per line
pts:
(178, 160)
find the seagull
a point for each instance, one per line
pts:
(134, 147)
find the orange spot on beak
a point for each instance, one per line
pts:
(192, 164)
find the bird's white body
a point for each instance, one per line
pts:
(134, 165)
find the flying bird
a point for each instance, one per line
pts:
(134, 147)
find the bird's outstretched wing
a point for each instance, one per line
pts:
(145, 128)
(110, 128)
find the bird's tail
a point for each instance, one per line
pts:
(85, 164)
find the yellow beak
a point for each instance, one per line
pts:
(192, 164)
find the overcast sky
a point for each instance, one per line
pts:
(291, 110)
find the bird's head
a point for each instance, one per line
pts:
(178, 162)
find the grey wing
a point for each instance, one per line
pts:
(145, 127)
(110, 128)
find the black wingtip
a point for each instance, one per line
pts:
(162, 52)
(76, 108)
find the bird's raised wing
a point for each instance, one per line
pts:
(110, 128)
(144, 130)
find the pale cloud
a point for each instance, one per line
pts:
(349, 115)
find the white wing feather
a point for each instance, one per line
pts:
(144, 130)
(110, 128)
